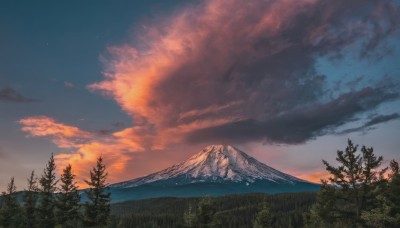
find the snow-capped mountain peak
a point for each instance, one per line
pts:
(215, 163)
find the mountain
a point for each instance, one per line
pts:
(216, 170)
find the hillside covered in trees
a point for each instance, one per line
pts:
(226, 211)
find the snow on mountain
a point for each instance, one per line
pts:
(215, 163)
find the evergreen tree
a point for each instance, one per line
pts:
(48, 182)
(10, 213)
(30, 198)
(392, 194)
(387, 213)
(67, 206)
(350, 189)
(322, 213)
(189, 217)
(98, 208)
(205, 213)
(263, 218)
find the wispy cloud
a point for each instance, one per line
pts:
(298, 125)
(63, 135)
(369, 125)
(84, 147)
(8, 94)
(69, 85)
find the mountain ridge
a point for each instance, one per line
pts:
(215, 163)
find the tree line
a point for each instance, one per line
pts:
(242, 210)
(49, 201)
(205, 216)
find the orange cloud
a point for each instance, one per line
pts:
(63, 135)
(86, 146)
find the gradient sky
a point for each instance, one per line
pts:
(149, 83)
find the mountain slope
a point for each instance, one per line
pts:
(216, 170)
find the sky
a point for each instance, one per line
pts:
(147, 84)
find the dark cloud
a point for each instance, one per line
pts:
(109, 131)
(372, 122)
(214, 75)
(382, 119)
(298, 126)
(104, 132)
(8, 94)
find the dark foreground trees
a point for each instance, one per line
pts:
(10, 213)
(357, 193)
(46, 204)
(387, 210)
(48, 183)
(98, 208)
(29, 201)
(68, 199)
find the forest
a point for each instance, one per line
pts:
(360, 192)
(286, 210)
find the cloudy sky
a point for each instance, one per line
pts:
(149, 83)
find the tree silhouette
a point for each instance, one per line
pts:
(387, 211)
(48, 182)
(350, 190)
(98, 208)
(67, 206)
(10, 213)
(30, 198)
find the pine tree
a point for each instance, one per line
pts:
(392, 194)
(30, 198)
(322, 213)
(189, 217)
(10, 213)
(350, 189)
(263, 218)
(48, 182)
(98, 208)
(387, 212)
(67, 206)
(205, 213)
